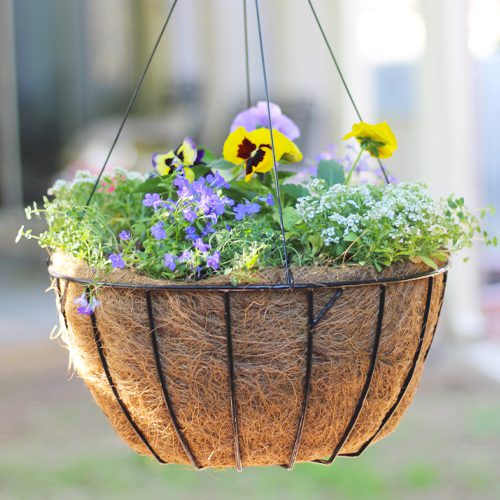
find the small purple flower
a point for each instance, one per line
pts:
(125, 235)
(257, 116)
(117, 260)
(152, 200)
(201, 246)
(84, 307)
(158, 231)
(242, 210)
(186, 256)
(191, 233)
(228, 227)
(208, 230)
(214, 260)
(217, 181)
(270, 200)
(189, 215)
(169, 261)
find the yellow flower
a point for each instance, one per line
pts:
(254, 149)
(185, 156)
(378, 140)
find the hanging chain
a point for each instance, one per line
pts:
(344, 83)
(289, 275)
(132, 101)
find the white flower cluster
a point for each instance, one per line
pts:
(400, 212)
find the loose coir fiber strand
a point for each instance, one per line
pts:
(269, 343)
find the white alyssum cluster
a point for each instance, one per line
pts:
(398, 212)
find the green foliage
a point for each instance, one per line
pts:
(326, 223)
(331, 172)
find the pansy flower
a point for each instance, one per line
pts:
(183, 158)
(378, 140)
(257, 117)
(253, 149)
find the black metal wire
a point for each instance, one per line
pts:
(366, 385)
(251, 287)
(328, 306)
(132, 101)
(409, 375)
(161, 375)
(232, 381)
(344, 83)
(307, 379)
(247, 56)
(289, 275)
(105, 367)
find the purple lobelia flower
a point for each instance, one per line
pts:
(191, 233)
(158, 231)
(201, 246)
(189, 215)
(85, 307)
(125, 235)
(152, 200)
(257, 116)
(242, 210)
(213, 260)
(169, 261)
(269, 199)
(117, 260)
(186, 256)
(217, 181)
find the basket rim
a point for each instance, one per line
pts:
(251, 286)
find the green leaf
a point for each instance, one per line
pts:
(153, 185)
(290, 217)
(285, 174)
(331, 172)
(351, 237)
(220, 164)
(294, 191)
(208, 156)
(428, 261)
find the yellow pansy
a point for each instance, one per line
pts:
(254, 150)
(378, 139)
(185, 156)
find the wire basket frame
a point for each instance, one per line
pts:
(226, 292)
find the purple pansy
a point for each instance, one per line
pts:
(117, 260)
(169, 261)
(257, 116)
(158, 231)
(152, 200)
(201, 246)
(213, 260)
(85, 307)
(125, 235)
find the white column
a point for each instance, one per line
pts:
(448, 142)
(10, 157)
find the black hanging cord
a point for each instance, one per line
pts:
(132, 101)
(289, 275)
(344, 83)
(247, 58)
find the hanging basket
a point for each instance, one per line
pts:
(215, 375)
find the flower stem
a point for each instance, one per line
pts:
(354, 165)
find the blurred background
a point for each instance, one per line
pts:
(431, 68)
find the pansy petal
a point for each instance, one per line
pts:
(189, 174)
(187, 151)
(238, 146)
